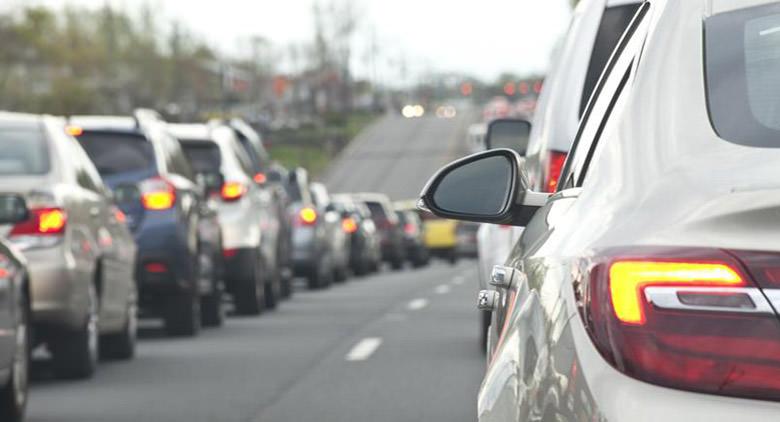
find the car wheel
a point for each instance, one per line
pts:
(13, 396)
(397, 264)
(273, 291)
(75, 354)
(287, 287)
(340, 274)
(249, 298)
(182, 317)
(211, 313)
(122, 345)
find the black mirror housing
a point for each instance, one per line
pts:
(513, 134)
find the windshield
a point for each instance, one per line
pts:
(117, 153)
(23, 149)
(743, 75)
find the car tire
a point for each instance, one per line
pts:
(287, 284)
(182, 317)
(453, 257)
(273, 291)
(320, 276)
(13, 396)
(211, 312)
(249, 299)
(121, 346)
(75, 353)
(340, 274)
(397, 264)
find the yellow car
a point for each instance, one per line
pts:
(440, 235)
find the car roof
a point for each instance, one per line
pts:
(614, 3)
(191, 131)
(6, 117)
(108, 123)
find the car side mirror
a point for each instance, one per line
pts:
(508, 133)
(210, 182)
(13, 209)
(487, 187)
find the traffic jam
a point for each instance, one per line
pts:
(615, 235)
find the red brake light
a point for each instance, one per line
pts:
(409, 228)
(42, 221)
(260, 178)
(555, 163)
(307, 216)
(232, 191)
(157, 194)
(692, 319)
(156, 267)
(349, 225)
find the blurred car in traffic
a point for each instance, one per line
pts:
(311, 255)
(467, 240)
(595, 30)
(154, 186)
(338, 240)
(441, 237)
(365, 254)
(414, 238)
(15, 337)
(391, 237)
(650, 272)
(262, 166)
(80, 254)
(245, 211)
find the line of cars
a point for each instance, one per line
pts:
(107, 219)
(643, 284)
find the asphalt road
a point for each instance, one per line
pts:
(396, 156)
(397, 346)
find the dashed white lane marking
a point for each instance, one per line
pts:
(442, 290)
(363, 349)
(457, 280)
(417, 304)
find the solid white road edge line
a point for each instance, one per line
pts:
(363, 349)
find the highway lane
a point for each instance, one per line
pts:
(396, 156)
(398, 346)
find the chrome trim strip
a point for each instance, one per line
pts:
(774, 298)
(667, 298)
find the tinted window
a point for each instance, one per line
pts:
(204, 156)
(377, 210)
(743, 75)
(613, 24)
(115, 153)
(24, 149)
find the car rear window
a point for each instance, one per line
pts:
(613, 24)
(743, 75)
(117, 153)
(377, 210)
(24, 149)
(203, 156)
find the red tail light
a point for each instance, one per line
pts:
(555, 163)
(156, 267)
(349, 225)
(232, 191)
(157, 194)
(410, 229)
(692, 319)
(306, 217)
(42, 221)
(260, 178)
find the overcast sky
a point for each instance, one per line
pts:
(482, 37)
